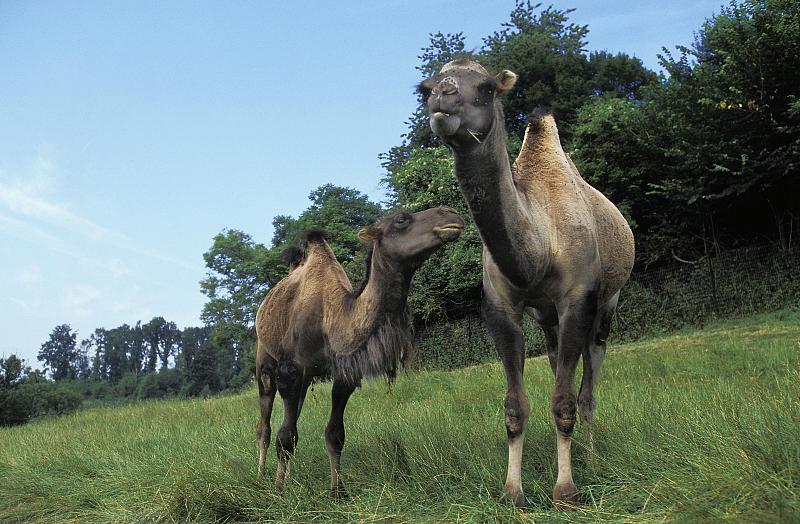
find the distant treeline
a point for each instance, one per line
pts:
(700, 158)
(151, 360)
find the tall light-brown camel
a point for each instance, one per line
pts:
(554, 247)
(314, 325)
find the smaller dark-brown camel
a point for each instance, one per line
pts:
(313, 325)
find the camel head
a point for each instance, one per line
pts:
(410, 238)
(461, 101)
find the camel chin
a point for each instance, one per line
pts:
(445, 125)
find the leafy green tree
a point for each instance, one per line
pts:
(83, 365)
(240, 273)
(170, 342)
(708, 156)
(59, 354)
(161, 338)
(728, 123)
(449, 283)
(137, 349)
(12, 370)
(237, 280)
(341, 211)
(203, 368)
(117, 348)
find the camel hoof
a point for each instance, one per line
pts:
(565, 496)
(516, 495)
(280, 484)
(339, 493)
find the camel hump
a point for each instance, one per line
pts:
(536, 118)
(541, 134)
(541, 156)
(317, 235)
(292, 256)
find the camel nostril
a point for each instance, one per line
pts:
(448, 86)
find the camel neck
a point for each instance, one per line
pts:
(385, 294)
(503, 219)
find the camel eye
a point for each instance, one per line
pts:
(402, 221)
(424, 91)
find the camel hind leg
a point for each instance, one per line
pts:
(267, 388)
(593, 357)
(547, 318)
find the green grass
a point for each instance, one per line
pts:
(699, 426)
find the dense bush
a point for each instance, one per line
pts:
(733, 283)
(36, 398)
(165, 383)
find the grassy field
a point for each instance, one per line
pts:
(700, 426)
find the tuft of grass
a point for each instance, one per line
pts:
(699, 426)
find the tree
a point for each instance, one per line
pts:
(733, 110)
(117, 348)
(59, 353)
(136, 357)
(170, 342)
(97, 340)
(709, 155)
(12, 370)
(200, 361)
(449, 283)
(341, 211)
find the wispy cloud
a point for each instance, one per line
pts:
(31, 206)
(36, 235)
(81, 300)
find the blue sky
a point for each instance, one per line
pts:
(133, 132)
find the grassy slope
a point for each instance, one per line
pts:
(698, 426)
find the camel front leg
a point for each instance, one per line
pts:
(293, 386)
(505, 327)
(266, 397)
(334, 434)
(576, 319)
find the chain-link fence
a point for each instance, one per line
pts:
(730, 283)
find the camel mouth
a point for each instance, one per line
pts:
(448, 232)
(445, 124)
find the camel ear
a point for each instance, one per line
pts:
(369, 233)
(505, 80)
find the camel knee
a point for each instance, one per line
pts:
(263, 432)
(286, 442)
(334, 438)
(517, 411)
(564, 407)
